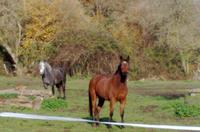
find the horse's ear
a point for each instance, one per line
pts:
(127, 59)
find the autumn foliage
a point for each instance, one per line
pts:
(161, 38)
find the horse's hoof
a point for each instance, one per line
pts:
(94, 125)
(97, 124)
(109, 126)
(52, 96)
(122, 126)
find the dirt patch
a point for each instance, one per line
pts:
(26, 98)
(78, 109)
(167, 93)
(27, 92)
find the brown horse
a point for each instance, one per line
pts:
(112, 88)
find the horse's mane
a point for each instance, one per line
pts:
(122, 76)
(49, 68)
(118, 69)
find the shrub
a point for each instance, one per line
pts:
(87, 51)
(53, 104)
(186, 110)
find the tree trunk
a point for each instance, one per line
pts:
(12, 54)
(14, 58)
(185, 62)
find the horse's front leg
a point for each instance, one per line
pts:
(98, 109)
(121, 109)
(45, 86)
(112, 102)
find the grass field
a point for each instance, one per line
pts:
(147, 102)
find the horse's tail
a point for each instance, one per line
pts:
(64, 70)
(66, 67)
(90, 103)
(90, 98)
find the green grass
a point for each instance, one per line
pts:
(141, 107)
(8, 96)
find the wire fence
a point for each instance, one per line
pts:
(69, 119)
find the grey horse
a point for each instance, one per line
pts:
(53, 77)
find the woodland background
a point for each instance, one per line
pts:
(162, 37)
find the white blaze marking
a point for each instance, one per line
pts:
(42, 67)
(124, 62)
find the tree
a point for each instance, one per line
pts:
(179, 29)
(11, 28)
(173, 23)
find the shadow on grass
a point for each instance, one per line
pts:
(171, 96)
(103, 119)
(167, 94)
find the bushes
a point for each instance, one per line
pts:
(53, 104)
(186, 110)
(89, 33)
(35, 51)
(87, 51)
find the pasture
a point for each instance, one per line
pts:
(151, 102)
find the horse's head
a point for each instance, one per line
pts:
(42, 67)
(124, 65)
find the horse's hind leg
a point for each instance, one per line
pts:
(59, 90)
(121, 109)
(63, 90)
(98, 109)
(93, 104)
